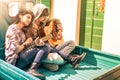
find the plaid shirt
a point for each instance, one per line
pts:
(13, 39)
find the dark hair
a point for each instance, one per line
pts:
(45, 12)
(22, 12)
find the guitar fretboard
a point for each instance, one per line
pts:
(32, 44)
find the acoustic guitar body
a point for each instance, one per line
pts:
(53, 41)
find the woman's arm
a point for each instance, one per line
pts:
(22, 46)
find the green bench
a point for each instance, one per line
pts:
(97, 65)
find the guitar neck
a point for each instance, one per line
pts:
(47, 37)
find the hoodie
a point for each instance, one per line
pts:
(38, 9)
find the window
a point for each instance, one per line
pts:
(14, 7)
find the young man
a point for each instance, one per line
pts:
(37, 30)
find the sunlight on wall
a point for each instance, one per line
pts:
(111, 32)
(66, 11)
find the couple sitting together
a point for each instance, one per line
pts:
(31, 39)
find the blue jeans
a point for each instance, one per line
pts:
(36, 54)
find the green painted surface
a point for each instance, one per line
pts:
(91, 25)
(47, 3)
(95, 64)
(9, 72)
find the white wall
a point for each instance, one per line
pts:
(66, 11)
(111, 33)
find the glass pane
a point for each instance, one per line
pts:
(14, 7)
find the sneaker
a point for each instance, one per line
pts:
(35, 73)
(76, 59)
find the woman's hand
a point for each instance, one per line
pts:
(21, 47)
(39, 42)
(29, 40)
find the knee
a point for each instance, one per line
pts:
(72, 43)
(46, 49)
(54, 58)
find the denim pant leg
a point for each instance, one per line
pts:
(67, 47)
(26, 58)
(41, 54)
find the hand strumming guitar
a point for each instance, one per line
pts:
(39, 42)
(29, 40)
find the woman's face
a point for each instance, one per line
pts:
(26, 19)
(42, 18)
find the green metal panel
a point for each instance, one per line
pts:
(91, 27)
(9, 72)
(47, 3)
(95, 64)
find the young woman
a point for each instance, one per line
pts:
(37, 30)
(15, 44)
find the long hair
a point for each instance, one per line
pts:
(44, 13)
(22, 12)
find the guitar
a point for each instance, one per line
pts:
(51, 36)
(47, 36)
(32, 44)
(54, 41)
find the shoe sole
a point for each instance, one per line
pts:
(76, 66)
(84, 53)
